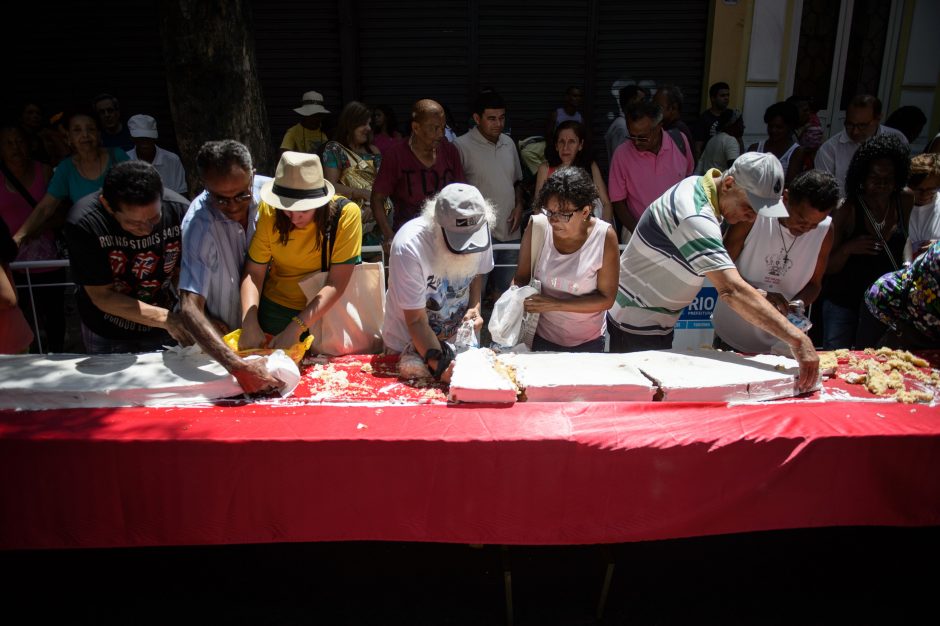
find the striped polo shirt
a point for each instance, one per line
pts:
(676, 242)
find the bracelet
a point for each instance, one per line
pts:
(303, 327)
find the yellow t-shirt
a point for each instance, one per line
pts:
(300, 139)
(287, 264)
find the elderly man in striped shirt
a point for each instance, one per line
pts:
(677, 244)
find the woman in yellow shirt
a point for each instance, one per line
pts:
(294, 220)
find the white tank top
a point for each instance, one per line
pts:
(773, 260)
(566, 275)
(785, 159)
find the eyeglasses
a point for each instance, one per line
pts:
(642, 139)
(859, 126)
(559, 215)
(224, 201)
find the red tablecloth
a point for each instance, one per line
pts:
(529, 474)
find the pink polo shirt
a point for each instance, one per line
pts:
(641, 177)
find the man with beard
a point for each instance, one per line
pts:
(435, 279)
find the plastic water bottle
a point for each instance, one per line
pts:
(466, 337)
(796, 315)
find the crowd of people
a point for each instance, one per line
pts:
(851, 224)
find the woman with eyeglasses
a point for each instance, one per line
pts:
(75, 177)
(869, 232)
(569, 147)
(578, 265)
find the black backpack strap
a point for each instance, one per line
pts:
(676, 135)
(326, 249)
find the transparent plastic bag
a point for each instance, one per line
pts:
(466, 337)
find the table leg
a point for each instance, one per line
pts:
(608, 577)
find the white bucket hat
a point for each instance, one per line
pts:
(298, 184)
(312, 103)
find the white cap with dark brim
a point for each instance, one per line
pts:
(460, 211)
(760, 175)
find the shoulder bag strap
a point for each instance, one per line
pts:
(17, 185)
(539, 234)
(676, 135)
(326, 250)
(352, 155)
(881, 237)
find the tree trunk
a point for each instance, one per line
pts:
(214, 93)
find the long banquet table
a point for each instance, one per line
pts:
(532, 473)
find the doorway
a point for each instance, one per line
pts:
(846, 48)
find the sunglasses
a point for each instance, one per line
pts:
(224, 201)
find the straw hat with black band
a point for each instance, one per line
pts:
(298, 184)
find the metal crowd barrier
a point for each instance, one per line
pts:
(24, 269)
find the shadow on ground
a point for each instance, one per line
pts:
(823, 576)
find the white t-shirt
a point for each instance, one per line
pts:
(925, 223)
(774, 260)
(170, 168)
(412, 285)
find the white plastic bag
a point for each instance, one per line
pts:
(283, 368)
(506, 320)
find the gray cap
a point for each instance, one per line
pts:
(460, 211)
(760, 175)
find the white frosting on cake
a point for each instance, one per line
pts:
(172, 377)
(713, 376)
(475, 379)
(578, 376)
(674, 375)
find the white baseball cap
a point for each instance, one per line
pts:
(142, 126)
(760, 175)
(460, 211)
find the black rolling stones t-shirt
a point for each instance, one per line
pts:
(143, 268)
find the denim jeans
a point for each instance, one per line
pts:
(844, 327)
(839, 325)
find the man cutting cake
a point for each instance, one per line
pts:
(678, 243)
